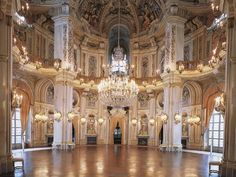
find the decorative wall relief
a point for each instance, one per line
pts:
(143, 99)
(50, 124)
(186, 53)
(184, 124)
(167, 44)
(68, 48)
(208, 48)
(71, 43)
(92, 70)
(195, 49)
(144, 67)
(65, 41)
(75, 99)
(91, 99)
(50, 94)
(162, 61)
(51, 51)
(160, 100)
(143, 125)
(173, 43)
(91, 125)
(200, 50)
(170, 44)
(186, 97)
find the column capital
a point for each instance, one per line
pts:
(63, 10)
(172, 79)
(65, 76)
(175, 19)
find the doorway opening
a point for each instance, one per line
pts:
(117, 134)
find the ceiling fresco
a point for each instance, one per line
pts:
(137, 15)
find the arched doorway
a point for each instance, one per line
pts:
(117, 119)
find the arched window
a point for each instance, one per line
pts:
(16, 130)
(216, 132)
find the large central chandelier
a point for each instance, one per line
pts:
(118, 90)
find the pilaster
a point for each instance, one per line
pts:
(63, 49)
(174, 42)
(5, 92)
(229, 158)
(172, 104)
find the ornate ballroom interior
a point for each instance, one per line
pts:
(126, 79)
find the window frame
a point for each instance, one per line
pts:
(216, 129)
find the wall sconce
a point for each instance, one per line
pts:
(164, 118)
(70, 116)
(177, 118)
(83, 120)
(40, 117)
(214, 7)
(134, 121)
(57, 116)
(16, 99)
(57, 64)
(220, 103)
(181, 68)
(100, 121)
(152, 121)
(194, 120)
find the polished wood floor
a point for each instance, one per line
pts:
(113, 161)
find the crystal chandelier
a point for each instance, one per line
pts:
(118, 90)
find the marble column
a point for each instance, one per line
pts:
(172, 82)
(229, 157)
(63, 49)
(5, 92)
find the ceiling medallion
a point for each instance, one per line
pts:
(118, 90)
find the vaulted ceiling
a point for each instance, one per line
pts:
(136, 15)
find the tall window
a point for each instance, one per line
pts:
(216, 132)
(16, 130)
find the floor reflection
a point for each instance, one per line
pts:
(113, 161)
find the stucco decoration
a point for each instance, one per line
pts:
(185, 97)
(50, 94)
(75, 98)
(160, 100)
(143, 125)
(143, 99)
(121, 112)
(184, 124)
(92, 66)
(145, 66)
(91, 125)
(91, 99)
(170, 45)
(186, 53)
